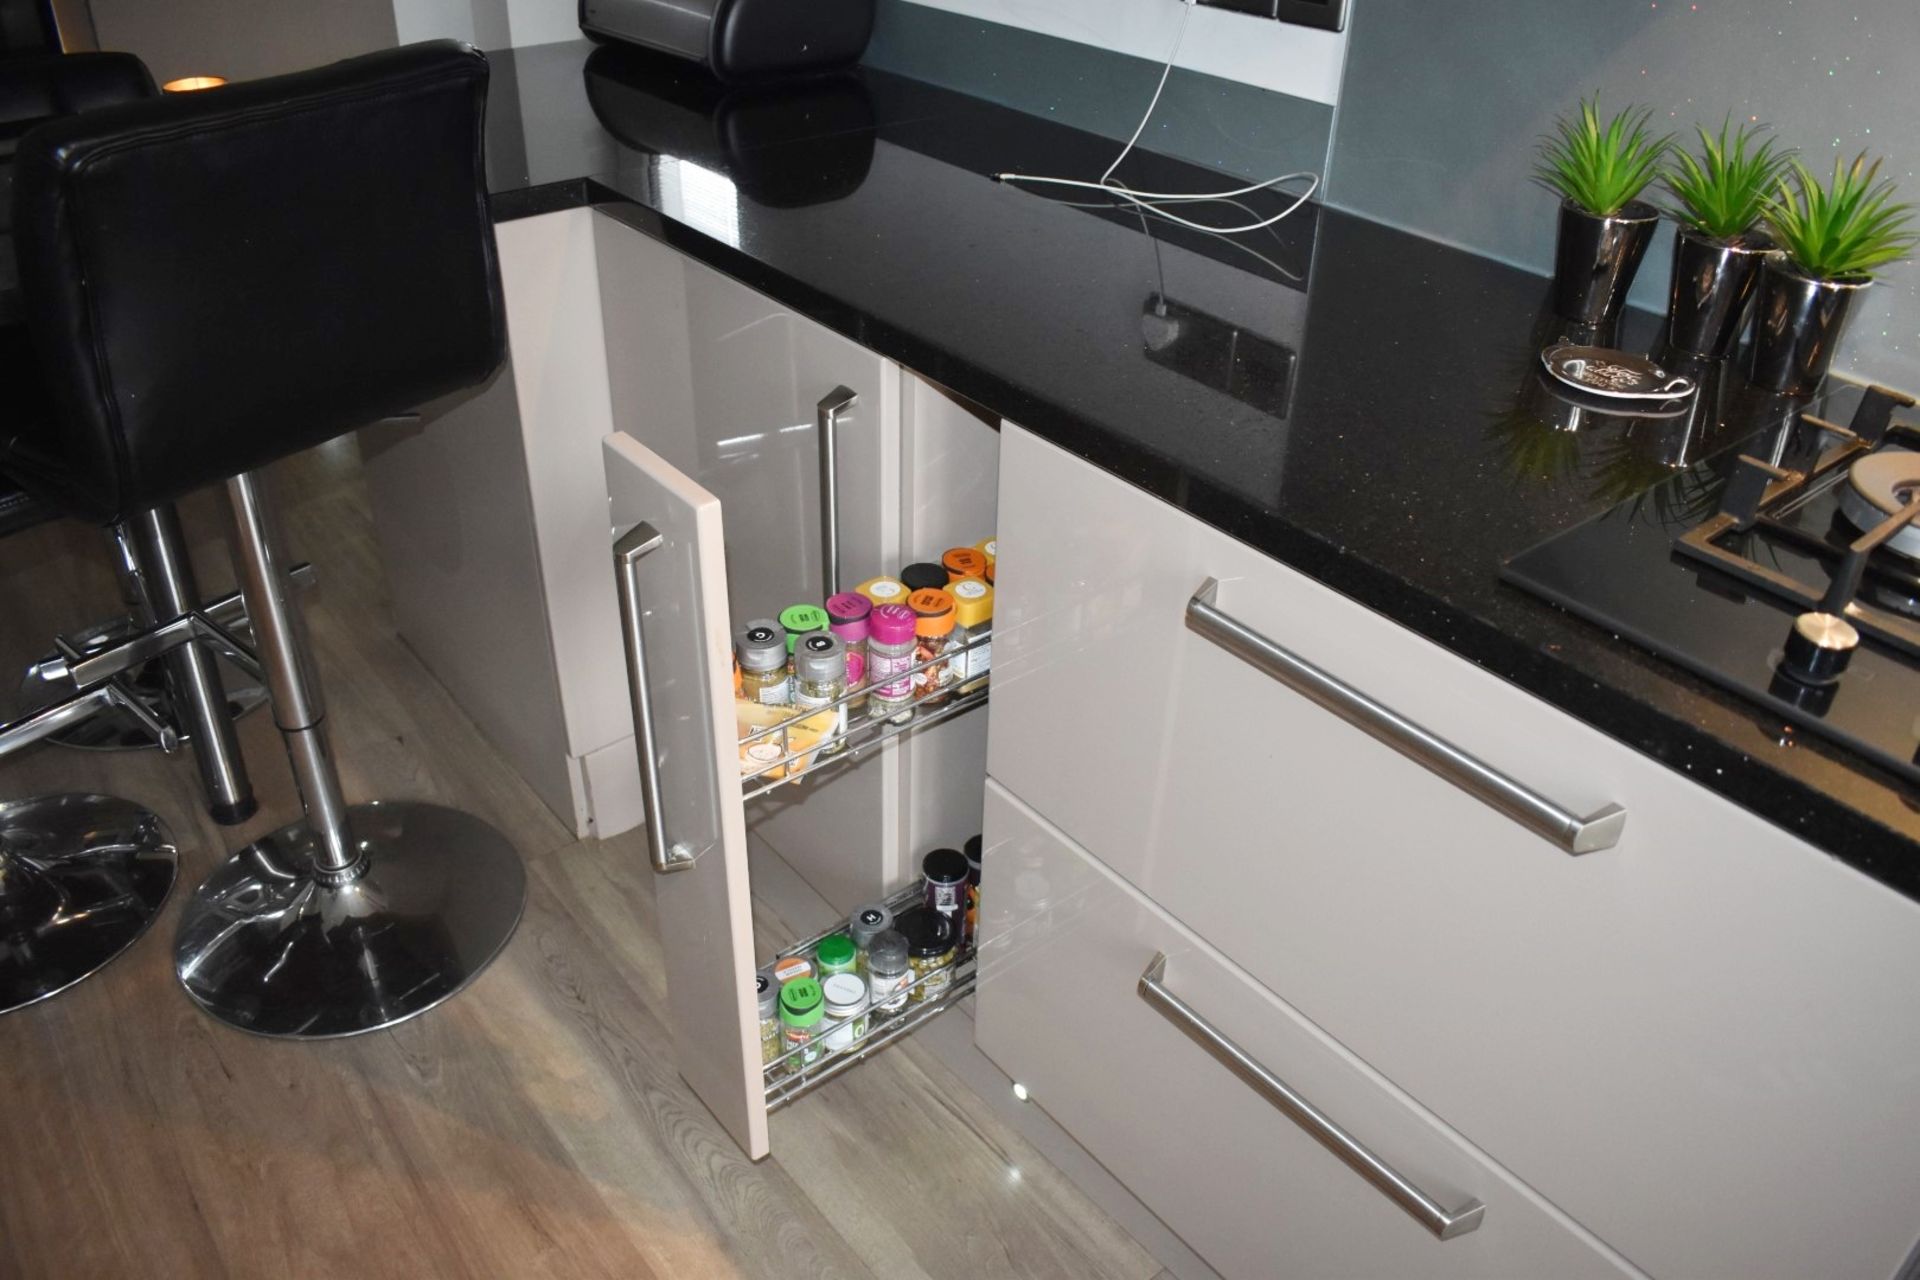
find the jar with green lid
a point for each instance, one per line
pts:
(802, 1006)
(769, 997)
(799, 620)
(836, 954)
(820, 681)
(930, 952)
(888, 972)
(762, 652)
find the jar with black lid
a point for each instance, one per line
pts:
(943, 878)
(923, 576)
(930, 951)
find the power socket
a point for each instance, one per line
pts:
(1254, 8)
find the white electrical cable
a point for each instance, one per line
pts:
(1151, 200)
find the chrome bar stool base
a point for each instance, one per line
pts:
(81, 878)
(269, 946)
(116, 730)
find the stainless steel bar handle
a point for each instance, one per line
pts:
(627, 554)
(837, 401)
(1569, 830)
(1444, 1223)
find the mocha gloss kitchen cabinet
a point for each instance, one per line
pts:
(1700, 1041)
(645, 387)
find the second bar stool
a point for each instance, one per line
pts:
(224, 279)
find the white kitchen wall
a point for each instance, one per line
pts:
(491, 24)
(1301, 61)
(241, 39)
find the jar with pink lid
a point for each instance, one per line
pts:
(847, 615)
(890, 646)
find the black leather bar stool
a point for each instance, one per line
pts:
(81, 876)
(222, 279)
(183, 693)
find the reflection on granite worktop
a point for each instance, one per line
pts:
(1360, 403)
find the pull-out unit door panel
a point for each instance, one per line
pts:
(1063, 1008)
(704, 912)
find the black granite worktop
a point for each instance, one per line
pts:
(1357, 402)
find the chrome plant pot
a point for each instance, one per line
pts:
(1713, 282)
(1797, 326)
(1595, 258)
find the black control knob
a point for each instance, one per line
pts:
(1819, 648)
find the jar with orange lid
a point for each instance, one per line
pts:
(934, 643)
(963, 562)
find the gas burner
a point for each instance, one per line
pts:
(1881, 485)
(1799, 592)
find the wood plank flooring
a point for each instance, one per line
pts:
(532, 1127)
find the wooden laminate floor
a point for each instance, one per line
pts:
(532, 1127)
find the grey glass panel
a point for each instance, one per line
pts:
(1442, 105)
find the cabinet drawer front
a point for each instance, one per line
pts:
(1709, 998)
(1060, 1009)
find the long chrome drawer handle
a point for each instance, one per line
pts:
(1570, 831)
(828, 411)
(1443, 1223)
(627, 554)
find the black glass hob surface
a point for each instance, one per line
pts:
(1712, 568)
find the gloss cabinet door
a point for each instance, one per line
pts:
(1709, 1013)
(726, 385)
(678, 599)
(1065, 944)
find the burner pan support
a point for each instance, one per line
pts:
(1881, 485)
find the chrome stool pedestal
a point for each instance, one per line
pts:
(81, 878)
(351, 919)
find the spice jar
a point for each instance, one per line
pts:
(972, 851)
(799, 619)
(769, 996)
(943, 881)
(890, 648)
(820, 681)
(835, 954)
(847, 615)
(846, 1008)
(933, 636)
(883, 591)
(924, 577)
(791, 968)
(801, 1008)
(963, 562)
(930, 947)
(973, 632)
(987, 549)
(888, 971)
(865, 924)
(762, 651)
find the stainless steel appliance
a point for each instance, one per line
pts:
(740, 39)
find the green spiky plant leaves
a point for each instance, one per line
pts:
(1601, 166)
(1845, 229)
(1722, 192)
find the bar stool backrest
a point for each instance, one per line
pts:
(218, 279)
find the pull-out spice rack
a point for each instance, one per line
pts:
(783, 1084)
(860, 733)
